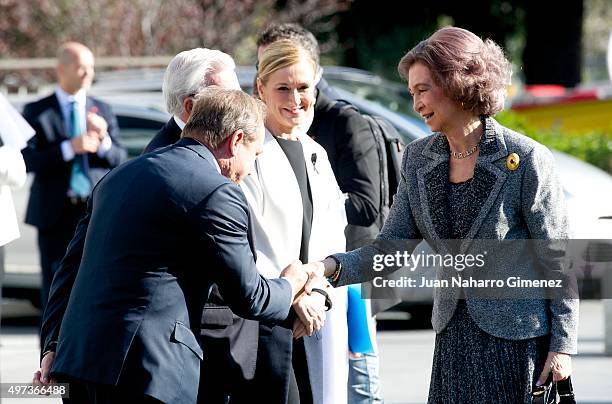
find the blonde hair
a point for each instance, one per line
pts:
(281, 54)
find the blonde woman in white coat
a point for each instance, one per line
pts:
(298, 212)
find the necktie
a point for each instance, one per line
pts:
(79, 180)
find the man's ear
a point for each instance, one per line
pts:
(188, 105)
(234, 141)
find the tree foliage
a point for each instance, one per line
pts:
(544, 40)
(35, 28)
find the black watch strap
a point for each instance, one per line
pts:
(328, 302)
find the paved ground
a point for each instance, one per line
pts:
(405, 357)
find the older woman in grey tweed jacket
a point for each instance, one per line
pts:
(474, 179)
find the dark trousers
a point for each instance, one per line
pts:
(215, 387)
(282, 375)
(1, 277)
(221, 380)
(82, 392)
(52, 244)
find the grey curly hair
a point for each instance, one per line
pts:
(473, 72)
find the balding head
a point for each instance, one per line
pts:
(75, 67)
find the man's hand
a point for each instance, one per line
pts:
(559, 364)
(296, 276)
(299, 329)
(85, 143)
(41, 376)
(310, 310)
(317, 271)
(96, 125)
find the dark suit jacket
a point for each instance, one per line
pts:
(232, 339)
(352, 153)
(137, 295)
(43, 156)
(168, 134)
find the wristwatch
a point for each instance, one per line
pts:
(328, 302)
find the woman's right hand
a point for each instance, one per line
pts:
(560, 364)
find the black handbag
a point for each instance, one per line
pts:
(545, 394)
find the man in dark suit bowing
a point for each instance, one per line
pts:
(230, 340)
(128, 328)
(76, 144)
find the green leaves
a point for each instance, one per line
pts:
(592, 147)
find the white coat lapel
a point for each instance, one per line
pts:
(281, 190)
(329, 216)
(275, 201)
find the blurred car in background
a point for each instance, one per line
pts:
(138, 104)
(583, 109)
(363, 84)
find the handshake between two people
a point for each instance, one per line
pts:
(310, 300)
(311, 296)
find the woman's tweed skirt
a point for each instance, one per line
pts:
(471, 366)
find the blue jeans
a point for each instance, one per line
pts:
(363, 380)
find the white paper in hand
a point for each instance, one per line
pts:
(14, 130)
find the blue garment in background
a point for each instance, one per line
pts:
(357, 318)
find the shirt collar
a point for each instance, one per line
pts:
(179, 122)
(65, 99)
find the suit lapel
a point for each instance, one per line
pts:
(488, 178)
(432, 184)
(52, 121)
(314, 178)
(278, 181)
(486, 185)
